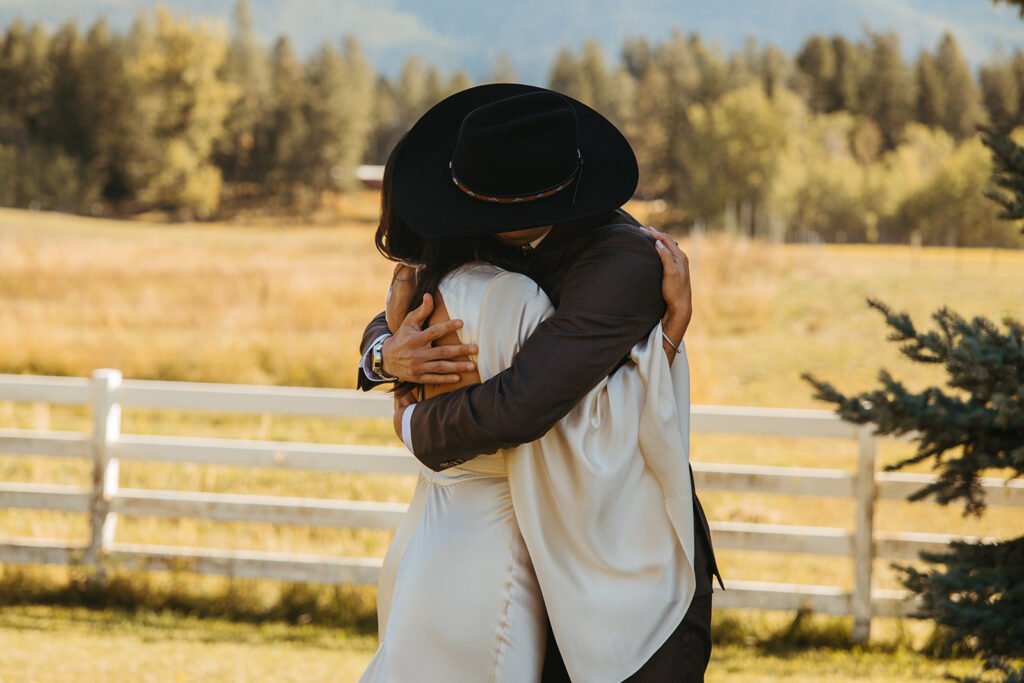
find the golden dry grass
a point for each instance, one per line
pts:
(185, 302)
(47, 645)
(286, 305)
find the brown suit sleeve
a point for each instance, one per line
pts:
(377, 327)
(610, 300)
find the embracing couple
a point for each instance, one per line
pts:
(534, 332)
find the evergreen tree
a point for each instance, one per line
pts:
(744, 65)
(817, 63)
(977, 592)
(435, 89)
(887, 99)
(109, 110)
(931, 93)
(564, 75)
(1008, 155)
(288, 131)
(775, 70)
(713, 70)
(25, 83)
(40, 153)
(594, 80)
(589, 79)
(669, 88)
(460, 80)
(1001, 95)
(386, 129)
(1008, 158)
(242, 150)
(412, 92)
(623, 96)
(503, 71)
(637, 56)
(61, 125)
(1018, 72)
(1018, 3)
(63, 179)
(851, 61)
(145, 117)
(646, 131)
(397, 105)
(338, 116)
(962, 111)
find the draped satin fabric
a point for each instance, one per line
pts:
(603, 505)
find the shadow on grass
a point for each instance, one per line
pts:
(804, 631)
(195, 609)
(352, 608)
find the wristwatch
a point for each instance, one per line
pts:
(377, 358)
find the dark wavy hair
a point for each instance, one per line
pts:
(397, 241)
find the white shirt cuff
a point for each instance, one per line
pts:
(407, 427)
(367, 362)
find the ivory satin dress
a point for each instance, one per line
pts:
(590, 527)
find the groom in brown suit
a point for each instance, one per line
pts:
(596, 264)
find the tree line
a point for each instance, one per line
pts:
(843, 140)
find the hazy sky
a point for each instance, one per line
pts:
(469, 33)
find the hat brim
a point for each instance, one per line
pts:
(433, 206)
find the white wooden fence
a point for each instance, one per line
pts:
(106, 393)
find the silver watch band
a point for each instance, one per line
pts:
(378, 361)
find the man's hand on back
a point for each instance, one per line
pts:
(410, 356)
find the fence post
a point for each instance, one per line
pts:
(106, 420)
(864, 537)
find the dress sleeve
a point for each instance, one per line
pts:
(512, 308)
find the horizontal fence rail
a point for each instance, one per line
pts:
(104, 501)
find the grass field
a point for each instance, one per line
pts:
(286, 305)
(57, 645)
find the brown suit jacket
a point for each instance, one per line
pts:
(604, 278)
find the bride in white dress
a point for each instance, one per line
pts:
(590, 527)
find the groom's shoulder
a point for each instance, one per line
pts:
(617, 270)
(620, 231)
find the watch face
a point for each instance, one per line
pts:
(378, 359)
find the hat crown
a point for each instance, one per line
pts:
(508, 162)
(517, 146)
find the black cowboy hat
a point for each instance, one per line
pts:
(508, 156)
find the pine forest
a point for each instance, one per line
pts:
(844, 141)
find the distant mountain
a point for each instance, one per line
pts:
(468, 34)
